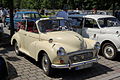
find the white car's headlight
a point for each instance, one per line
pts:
(61, 51)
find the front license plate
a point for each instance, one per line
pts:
(83, 66)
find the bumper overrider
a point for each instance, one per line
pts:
(79, 63)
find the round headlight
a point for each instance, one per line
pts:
(61, 51)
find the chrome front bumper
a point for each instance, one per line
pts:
(95, 60)
(78, 64)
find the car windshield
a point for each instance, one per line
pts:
(31, 15)
(109, 22)
(53, 25)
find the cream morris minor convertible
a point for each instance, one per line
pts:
(55, 46)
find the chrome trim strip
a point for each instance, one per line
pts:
(81, 51)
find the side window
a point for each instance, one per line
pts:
(76, 22)
(21, 25)
(16, 16)
(31, 27)
(19, 16)
(90, 23)
(35, 30)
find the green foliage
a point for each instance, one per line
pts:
(44, 16)
(58, 4)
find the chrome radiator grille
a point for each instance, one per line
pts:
(81, 57)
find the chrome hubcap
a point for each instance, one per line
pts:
(16, 48)
(109, 51)
(45, 63)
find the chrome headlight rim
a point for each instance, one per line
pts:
(61, 51)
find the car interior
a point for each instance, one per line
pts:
(31, 26)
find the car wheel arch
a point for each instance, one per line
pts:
(102, 44)
(113, 50)
(106, 41)
(40, 55)
(14, 41)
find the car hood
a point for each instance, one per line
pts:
(111, 30)
(69, 40)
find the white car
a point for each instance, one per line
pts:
(102, 28)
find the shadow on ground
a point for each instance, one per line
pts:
(65, 74)
(6, 48)
(12, 71)
(96, 70)
(5, 44)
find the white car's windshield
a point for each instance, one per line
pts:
(109, 22)
(53, 25)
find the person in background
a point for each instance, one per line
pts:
(63, 14)
(116, 14)
(46, 12)
(77, 10)
(94, 11)
(0, 13)
(3, 15)
(42, 11)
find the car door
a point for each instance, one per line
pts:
(31, 39)
(90, 29)
(22, 33)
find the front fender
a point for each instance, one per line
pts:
(15, 37)
(48, 48)
(89, 43)
(110, 37)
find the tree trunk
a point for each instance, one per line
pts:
(11, 18)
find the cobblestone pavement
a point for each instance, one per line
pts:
(25, 68)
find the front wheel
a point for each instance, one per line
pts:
(109, 51)
(16, 47)
(46, 65)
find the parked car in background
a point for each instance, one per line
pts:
(55, 46)
(23, 16)
(104, 13)
(3, 69)
(74, 12)
(102, 28)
